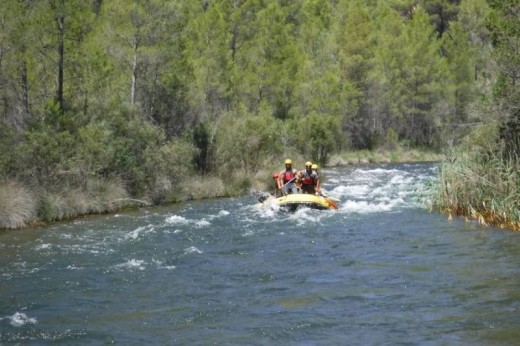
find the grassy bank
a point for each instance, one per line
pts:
(22, 206)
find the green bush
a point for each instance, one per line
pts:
(143, 158)
(46, 156)
(248, 142)
(317, 136)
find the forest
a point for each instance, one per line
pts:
(109, 103)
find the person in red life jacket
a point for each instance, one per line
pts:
(287, 178)
(308, 179)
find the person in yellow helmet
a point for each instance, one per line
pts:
(287, 177)
(308, 179)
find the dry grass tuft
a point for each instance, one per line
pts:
(17, 206)
(97, 197)
(105, 195)
(203, 187)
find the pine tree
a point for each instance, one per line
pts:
(505, 34)
(424, 80)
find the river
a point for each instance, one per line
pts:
(381, 270)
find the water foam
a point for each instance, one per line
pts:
(192, 249)
(306, 215)
(160, 265)
(176, 219)
(18, 319)
(380, 189)
(132, 264)
(138, 231)
(43, 247)
(202, 223)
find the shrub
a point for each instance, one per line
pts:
(317, 136)
(248, 142)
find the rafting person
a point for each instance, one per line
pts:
(308, 179)
(287, 177)
(276, 189)
(317, 189)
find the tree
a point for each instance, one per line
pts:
(265, 56)
(441, 12)
(356, 44)
(384, 93)
(424, 76)
(72, 20)
(207, 60)
(461, 59)
(136, 29)
(505, 34)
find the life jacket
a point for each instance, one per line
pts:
(288, 176)
(308, 178)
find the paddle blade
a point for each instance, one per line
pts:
(332, 204)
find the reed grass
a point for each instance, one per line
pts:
(479, 185)
(17, 206)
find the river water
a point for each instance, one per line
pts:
(381, 270)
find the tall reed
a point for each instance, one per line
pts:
(480, 185)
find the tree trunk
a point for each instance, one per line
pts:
(134, 74)
(3, 88)
(25, 93)
(60, 22)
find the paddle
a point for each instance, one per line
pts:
(335, 199)
(329, 200)
(281, 189)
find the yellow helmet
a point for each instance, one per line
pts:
(314, 166)
(308, 163)
(288, 162)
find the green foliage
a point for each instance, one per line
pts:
(141, 154)
(248, 142)
(505, 34)
(391, 140)
(45, 156)
(317, 136)
(7, 157)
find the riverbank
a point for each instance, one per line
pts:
(398, 155)
(22, 206)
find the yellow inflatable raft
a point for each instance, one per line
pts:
(294, 201)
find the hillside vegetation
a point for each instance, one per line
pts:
(112, 103)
